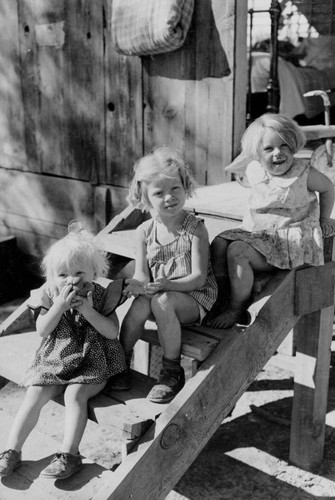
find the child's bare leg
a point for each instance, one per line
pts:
(243, 260)
(27, 416)
(170, 310)
(219, 247)
(133, 323)
(68, 461)
(131, 330)
(76, 397)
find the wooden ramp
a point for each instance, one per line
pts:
(162, 441)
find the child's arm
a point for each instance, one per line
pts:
(136, 285)
(197, 278)
(108, 326)
(323, 185)
(50, 315)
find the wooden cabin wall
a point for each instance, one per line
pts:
(75, 115)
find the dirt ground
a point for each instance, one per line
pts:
(247, 458)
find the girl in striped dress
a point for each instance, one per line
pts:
(173, 282)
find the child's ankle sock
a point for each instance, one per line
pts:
(171, 364)
(128, 359)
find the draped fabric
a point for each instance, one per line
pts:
(150, 27)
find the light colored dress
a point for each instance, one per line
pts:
(283, 218)
(75, 352)
(175, 258)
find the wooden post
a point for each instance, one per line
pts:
(177, 436)
(313, 335)
(273, 85)
(313, 338)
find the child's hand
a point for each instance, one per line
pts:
(134, 288)
(64, 298)
(327, 226)
(82, 304)
(161, 284)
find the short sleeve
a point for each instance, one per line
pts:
(39, 298)
(112, 297)
(255, 173)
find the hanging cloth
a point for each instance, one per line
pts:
(145, 27)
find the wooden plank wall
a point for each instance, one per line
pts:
(75, 115)
(188, 96)
(61, 49)
(12, 126)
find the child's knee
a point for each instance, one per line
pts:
(163, 303)
(77, 394)
(140, 308)
(218, 246)
(238, 250)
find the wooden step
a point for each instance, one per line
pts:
(120, 243)
(124, 242)
(127, 410)
(118, 237)
(194, 344)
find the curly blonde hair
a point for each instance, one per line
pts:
(78, 246)
(166, 162)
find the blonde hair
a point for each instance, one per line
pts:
(166, 162)
(78, 246)
(287, 129)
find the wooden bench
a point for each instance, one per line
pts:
(169, 437)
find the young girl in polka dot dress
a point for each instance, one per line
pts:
(79, 350)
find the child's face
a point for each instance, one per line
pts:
(166, 196)
(75, 274)
(275, 155)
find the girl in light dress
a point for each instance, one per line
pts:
(173, 281)
(79, 350)
(288, 213)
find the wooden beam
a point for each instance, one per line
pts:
(181, 432)
(240, 73)
(313, 335)
(194, 345)
(314, 288)
(313, 132)
(20, 320)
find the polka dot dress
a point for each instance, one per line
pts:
(75, 353)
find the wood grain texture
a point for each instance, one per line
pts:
(206, 399)
(313, 337)
(43, 208)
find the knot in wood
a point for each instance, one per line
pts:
(169, 112)
(170, 436)
(317, 429)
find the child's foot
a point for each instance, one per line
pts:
(9, 461)
(220, 306)
(62, 465)
(228, 318)
(120, 381)
(169, 383)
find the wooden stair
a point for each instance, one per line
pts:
(162, 441)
